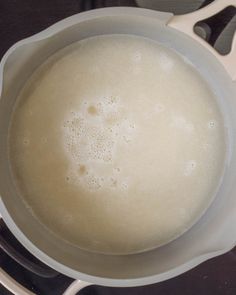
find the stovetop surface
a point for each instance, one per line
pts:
(22, 18)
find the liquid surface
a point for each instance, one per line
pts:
(117, 144)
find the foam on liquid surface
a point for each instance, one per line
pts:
(117, 144)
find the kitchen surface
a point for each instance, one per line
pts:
(23, 272)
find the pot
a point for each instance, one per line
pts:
(212, 235)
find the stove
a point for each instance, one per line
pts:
(21, 273)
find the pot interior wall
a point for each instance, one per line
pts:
(210, 234)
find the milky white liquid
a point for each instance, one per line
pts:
(117, 144)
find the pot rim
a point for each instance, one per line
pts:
(101, 280)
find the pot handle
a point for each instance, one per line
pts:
(185, 23)
(75, 287)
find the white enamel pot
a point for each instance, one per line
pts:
(212, 235)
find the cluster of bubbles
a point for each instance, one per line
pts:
(166, 62)
(91, 137)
